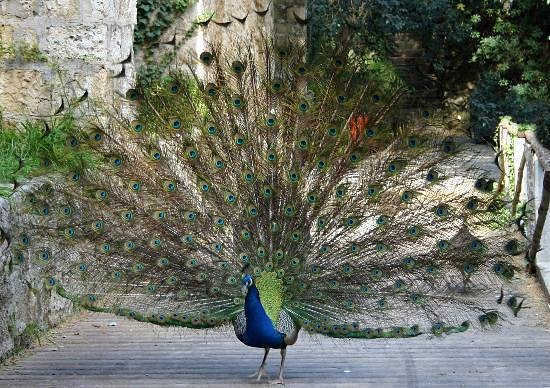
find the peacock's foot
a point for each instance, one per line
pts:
(278, 381)
(259, 373)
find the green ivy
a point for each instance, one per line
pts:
(155, 68)
(154, 17)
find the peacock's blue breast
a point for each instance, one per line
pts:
(254, 328)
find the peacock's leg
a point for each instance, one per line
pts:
(280, 379)
(261, 371)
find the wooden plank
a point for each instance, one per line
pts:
(542, 152)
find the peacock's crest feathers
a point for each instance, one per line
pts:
(353, 223)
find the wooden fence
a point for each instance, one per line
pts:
(526, 165)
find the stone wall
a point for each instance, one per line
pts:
(81, 42)
(27, 306)
(245, 21)
(76, 46)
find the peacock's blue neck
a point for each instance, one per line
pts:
(259, 332)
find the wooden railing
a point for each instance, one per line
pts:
(527, 177)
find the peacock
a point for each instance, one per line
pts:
(273, 190)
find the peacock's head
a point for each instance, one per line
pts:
(247, 282)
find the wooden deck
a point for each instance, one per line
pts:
(88, 352)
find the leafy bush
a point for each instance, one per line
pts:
(516, 69)
(486, 106)
(30, 150)
(491, 100)
(501, 46)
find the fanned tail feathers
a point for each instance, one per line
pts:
(293, 168)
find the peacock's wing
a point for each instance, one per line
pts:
(239, 324)
(286, 325)
(297, 170)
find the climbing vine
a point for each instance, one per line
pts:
(154, 17)
(155, 68)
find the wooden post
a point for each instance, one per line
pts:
(518, 184)
(541, 219)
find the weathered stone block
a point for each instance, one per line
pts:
(20, 8)
(77, 41)
(63, 9)
(109, 11)
(23, 93)
(100, 87)
(6, 34)
(27, 35)
(119, 42)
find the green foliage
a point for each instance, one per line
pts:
(155, 68)
(543, 132)
(147, 75)
(384, 73)
(486, 106)
(21, 51)
(181, 5)
(516, 61)
(516, 49)
(441, 25)
(154, 17)
(500, 45)
(29, 150)
(204, 17)
(492, 100)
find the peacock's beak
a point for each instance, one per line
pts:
(244, 290)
